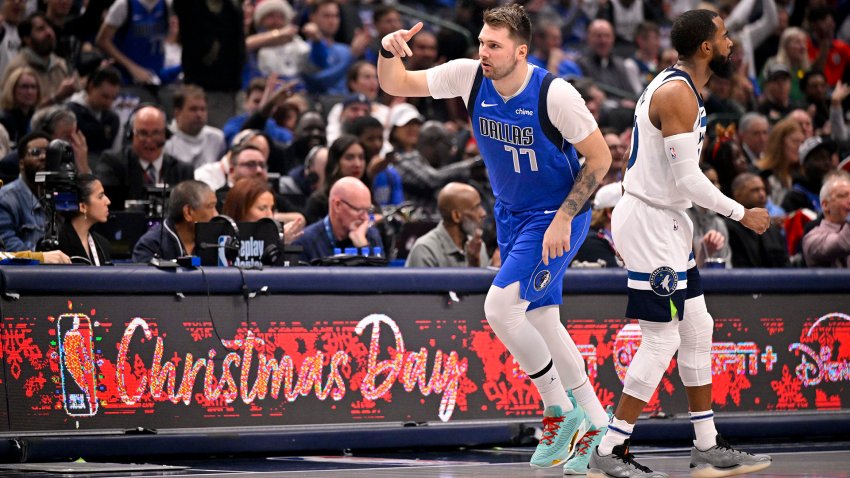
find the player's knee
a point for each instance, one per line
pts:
(695, 354)
(502, 309)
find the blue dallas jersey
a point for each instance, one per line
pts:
(531, 165)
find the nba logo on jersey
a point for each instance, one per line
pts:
(663, 281)
(673, 153)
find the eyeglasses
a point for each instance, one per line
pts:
(359, 210)
(36, 152)
(253, 165)
(142, 134)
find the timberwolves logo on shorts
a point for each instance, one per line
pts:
(541, 280)
(663, 281)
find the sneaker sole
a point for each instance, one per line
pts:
(570, 471)
(708, 471)
(597, 473)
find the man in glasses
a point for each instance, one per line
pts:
(348, 223)
(127, 174)
(22, 217)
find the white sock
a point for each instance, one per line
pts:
(549, 386)
(618, 432)
(586, 397)
(704, 429)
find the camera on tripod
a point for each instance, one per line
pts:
(58, 190)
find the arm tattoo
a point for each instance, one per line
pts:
(585, 184)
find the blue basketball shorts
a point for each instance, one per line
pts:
(520, 238)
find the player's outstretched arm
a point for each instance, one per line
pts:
(556, 240)
(392, 75)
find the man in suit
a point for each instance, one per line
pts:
(125, 175)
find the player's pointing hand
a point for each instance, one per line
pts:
(396, 42)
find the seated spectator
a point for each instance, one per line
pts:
(601, 64)
(76, 239)
(348, 223)
(816, 156)
(710, 234)
(305, 179)
(128, 173)
(190, 202)
(12, 14)
(350, 108)
(776, 102)
(21, 96)
(216, 174)
(598, 248)
(748, 248)
(618, 149)
(346, 157)
(781, 159)
(361, 79)
(22, 216)
(93, 109)
(548, 54)
(804, 119)
(328, 61)
(249, 161)
(309, 133)
(249, 200)
(279, 106)
(792, 53)
(752, 132)
(645, 63)
(39, 42)
(253, 96)
(386, 181)
(456, 241)
(282, 54)
(193, 140)
(726, 158)
(828, 243)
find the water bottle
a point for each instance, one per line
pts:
(351, 251)
(364, 251)
(377, 251)
(337, 251)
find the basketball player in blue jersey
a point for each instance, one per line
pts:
(654, 236)
(528, 126)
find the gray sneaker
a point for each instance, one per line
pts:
(723, 460)
(619, 464)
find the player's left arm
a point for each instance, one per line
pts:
(572, 118)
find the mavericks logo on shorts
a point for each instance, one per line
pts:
(541, 280)
(663, 281)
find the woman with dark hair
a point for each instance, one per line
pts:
(20, 97)
(727, 160)
(76, 239)
(346, 157)
(249, 200)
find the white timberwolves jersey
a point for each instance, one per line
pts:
(650, 177)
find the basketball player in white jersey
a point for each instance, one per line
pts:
(654, 237)
(528, 126)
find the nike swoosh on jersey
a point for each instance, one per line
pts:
(550, 211)
(487, 105)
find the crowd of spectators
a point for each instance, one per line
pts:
(272, 108)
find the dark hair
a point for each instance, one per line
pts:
(815, 14)
(321, 3)
(257, 84)
(185, 92)
(242, 196)
(104, 75)
(354, 71)
(85, 186)
(646, 27)
(691, 29)
(804, 82)
(514, 18)
(335, 152)
(381, 11)
(187, 193)
(25, 27)
(360, 124)
(23, 142)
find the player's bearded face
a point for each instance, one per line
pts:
(722, 65)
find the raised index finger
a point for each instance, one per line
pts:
(412, 31)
